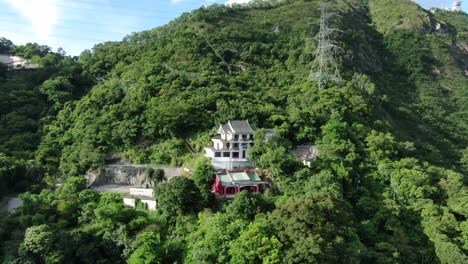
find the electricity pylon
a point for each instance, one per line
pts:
(324, 67)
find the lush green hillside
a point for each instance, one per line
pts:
(390, 184)
(29, 99)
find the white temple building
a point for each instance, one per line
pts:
(229, 150)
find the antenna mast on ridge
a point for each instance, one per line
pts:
(456, 6)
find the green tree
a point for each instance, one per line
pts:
(204, 177)
(148, 249)
(247, 205)
(211, 241)
(257, 244)
(5, 45)
(316, 230)
(179, 196)
(39, 245)
(58, 91)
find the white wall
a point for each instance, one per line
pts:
(151, 204)
(146, 192)
(217, 143)
(129, 201)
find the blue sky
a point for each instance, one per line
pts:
(76, 25)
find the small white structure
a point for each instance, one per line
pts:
(144, 192)
(457, 6)
(306, 153)
(131, 201)
(145, 195)
(15, 62)
(230, 146)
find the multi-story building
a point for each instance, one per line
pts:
(229, 150)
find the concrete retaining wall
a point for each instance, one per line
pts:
(11, 203)
(129, 175)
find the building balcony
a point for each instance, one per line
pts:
(223, 149)
(243, 140)
(227, 159)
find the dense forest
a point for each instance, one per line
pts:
(390, 184)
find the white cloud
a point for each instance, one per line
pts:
(43, 15)
(231, 2)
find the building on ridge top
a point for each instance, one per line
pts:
(457, 6)
(229, 150)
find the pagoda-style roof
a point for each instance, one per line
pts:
(237, 127)
(243, 177)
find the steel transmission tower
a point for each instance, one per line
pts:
(325, 66)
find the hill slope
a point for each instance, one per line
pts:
(29, 99)
(390, 184)
(181, 79)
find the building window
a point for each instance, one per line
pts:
(236, 137)
(231, 190)
(235, 154)
(244, 137)
(235, 145)
(217, 154)
(250, 137)
(226, 154)
(228, 145)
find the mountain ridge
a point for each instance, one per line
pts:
(389, 185)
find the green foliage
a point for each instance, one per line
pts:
(257, 244)
(31, 99)
(211, 241)
(247, 205)
(148, 249)
(167, 152)
(392, 14)
(457, 23)
(38, 245)
(179, 196)
(316, 230)
(204, 177)
(157, 176)
(388, 186)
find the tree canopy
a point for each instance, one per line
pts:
(389, 184)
